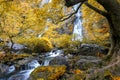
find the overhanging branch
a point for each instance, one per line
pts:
(105, 14)
(70, 15)
(69, 3)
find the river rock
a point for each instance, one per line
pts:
(87, 62)
(19, 48)
(92, 49)
(3, 69)
(59, 60)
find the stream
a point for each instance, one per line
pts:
(25, 73)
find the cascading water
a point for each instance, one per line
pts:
(51, 56)
(78, 28)
(24, 74)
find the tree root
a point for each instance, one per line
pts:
(99, 74)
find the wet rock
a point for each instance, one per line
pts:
(92, 50)
(3, 69)
(18, 48)
(87, 62)
(59, 60)
(47, 73)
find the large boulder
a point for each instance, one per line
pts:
(47, 73)
(18, 48)
(59, 60)
(92, 50)
(87, 62)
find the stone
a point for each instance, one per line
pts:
(87, 62)
(92, 50)
(59, 60)
(47, 73)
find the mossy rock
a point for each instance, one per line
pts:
(7, 58)
(47, 73)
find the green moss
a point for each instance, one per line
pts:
(12, 57)
(48, 73)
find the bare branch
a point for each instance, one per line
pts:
(70, 15)
(105, 14)
(69, 3)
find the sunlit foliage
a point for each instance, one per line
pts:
(37, 45)
(95, 25)
(66, 43)
(26, 18)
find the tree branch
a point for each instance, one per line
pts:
(69, 3)
(105, 14)
(70, 15)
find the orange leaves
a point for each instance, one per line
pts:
(95, 25)
(2, 55)
(77, 71)
(116, 78)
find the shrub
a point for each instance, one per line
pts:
(65, 42)
(37, 45)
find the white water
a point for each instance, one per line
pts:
(43, 2)
(24, 74)
(78, 28)
(51, 56)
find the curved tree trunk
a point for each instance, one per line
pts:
(113, 9)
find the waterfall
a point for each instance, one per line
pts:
(78, 28)
(43, 2)
(25, 73)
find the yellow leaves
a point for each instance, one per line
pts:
(94, 24)
(64, 41)
(25, 17)
(37, 44)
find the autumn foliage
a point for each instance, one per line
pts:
(95, 25)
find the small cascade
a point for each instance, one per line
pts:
(78, 28)
(51, 56)
(28, 68)
(24, 74)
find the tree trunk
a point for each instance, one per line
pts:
(113, 9)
